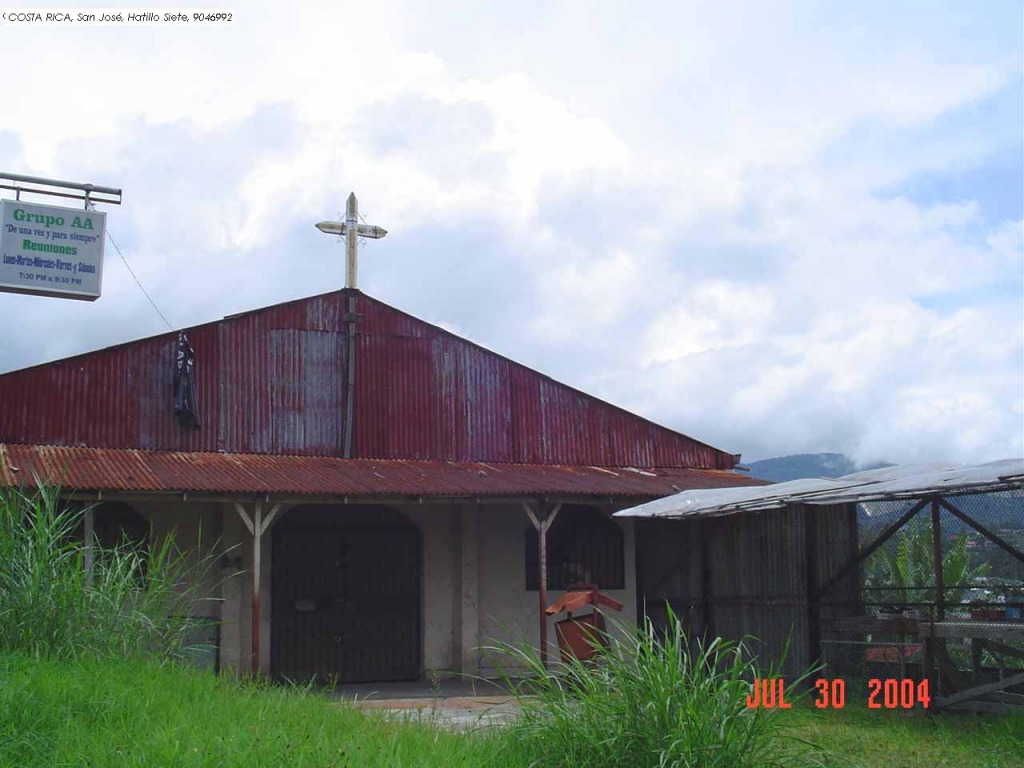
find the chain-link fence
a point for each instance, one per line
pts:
(872, 624)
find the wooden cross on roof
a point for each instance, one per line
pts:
(352, 229)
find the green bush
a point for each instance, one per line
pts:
(126, 603)
(650, 700)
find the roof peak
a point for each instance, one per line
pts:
(275, 382)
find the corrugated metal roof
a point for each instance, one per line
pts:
(110, 469)
(271, 381)
(904, 482)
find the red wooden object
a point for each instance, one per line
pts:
(581, 637)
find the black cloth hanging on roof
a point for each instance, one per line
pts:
(186, 411)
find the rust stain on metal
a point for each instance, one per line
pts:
(114, 469)
(271, 381)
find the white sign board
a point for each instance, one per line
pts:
(46, 250)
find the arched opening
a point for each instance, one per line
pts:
(116, 523)
(584, 546)
(346, 591)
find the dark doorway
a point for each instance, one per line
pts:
(346, 595)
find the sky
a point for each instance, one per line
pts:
(778, 227)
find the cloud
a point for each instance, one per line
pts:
(758, 225)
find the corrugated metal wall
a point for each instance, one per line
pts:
(272, 381)
(756, 564)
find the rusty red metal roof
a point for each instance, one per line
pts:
(130, 470)
(271, 381)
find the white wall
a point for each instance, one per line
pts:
(195, 529)
(474, 589)
(439, 527)
(507, 611)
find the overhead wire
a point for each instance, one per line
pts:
(137, 281)
(110, 237)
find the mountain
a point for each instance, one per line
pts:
(801, 465)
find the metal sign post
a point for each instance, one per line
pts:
(15, 181)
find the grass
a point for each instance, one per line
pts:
(650, 700)
(93, 712)
(892, 739)
(131, 712)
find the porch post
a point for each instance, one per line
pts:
(934, 643)
(257, 547)
(257, 526)
(469, 626)
(940, 597)
(811, 575)
(542, 524)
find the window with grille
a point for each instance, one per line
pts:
(584, 546)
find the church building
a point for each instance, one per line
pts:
(381, 497)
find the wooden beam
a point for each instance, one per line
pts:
(1007, 698)
(989, 630)
(870, 550)
(257, 546)
(998, 649)
(938, 647)
(269, 519)
(469, 590)
(530, 514)
(245, 517)
(811, 575)
(977, 649)
(958, 678)
(988, 707)
(940, 587)
(1005, 545)
(553, 514)
(443, 502)
(350, 371)
(980, 690)
(542, 523)
(542, 564)
(257, 525)
(706, 585)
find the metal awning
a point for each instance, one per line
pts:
(901, 482)
(150, 472)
